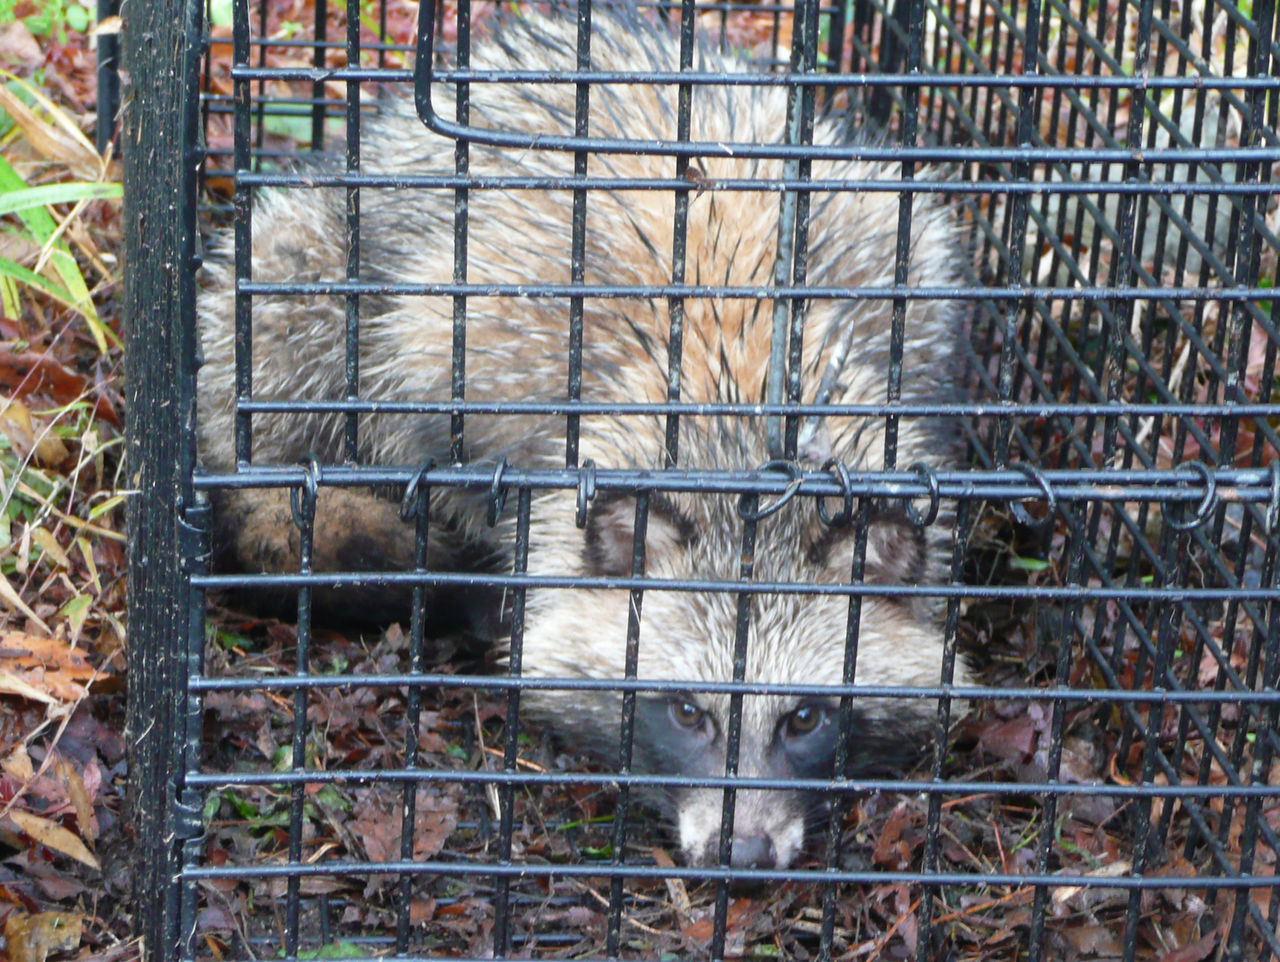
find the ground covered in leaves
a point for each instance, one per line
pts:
(63, 857)
(63, 850)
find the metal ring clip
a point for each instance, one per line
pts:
(304, 498)
(409, 506)
(1205, 508)
(1020, 515)
(497, 494)
(929, 477)
(1273, 507)
(845, 517)
(789, 468)
(586, 491)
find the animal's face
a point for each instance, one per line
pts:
(694, 636)
(781, 738)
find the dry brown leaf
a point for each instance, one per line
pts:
(107, 26)
(18, 764)
(49, 545)
(53, 836)
(45, 448)
(31, 938)
(79, 796)
(58, 140)
(11, 684)
(49, 664)
(1195, 952)
(86, 550)
(10, 597)
(18, 47)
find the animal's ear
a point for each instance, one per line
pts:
(897, 552)
(610, 534)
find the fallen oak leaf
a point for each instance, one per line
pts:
(29, 437)
(79, 796)
(53, 836)
(31, 938)
(28, 372)
(49, 664)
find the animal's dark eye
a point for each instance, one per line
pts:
(805, 720)
(687, 715)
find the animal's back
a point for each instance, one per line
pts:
(516, 347)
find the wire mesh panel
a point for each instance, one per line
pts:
(734, 480)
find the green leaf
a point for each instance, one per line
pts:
(77, 18)
(13, 201)
(17, 272)
(221, 13)
(1028, 564)
(43, 230)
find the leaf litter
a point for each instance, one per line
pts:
(62, 601)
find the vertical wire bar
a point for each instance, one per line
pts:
(382, 34)
(749, 506)
(848, 673)
(351, 433)
(1268, 722)
(511, 734)
(1166, 639)
(421, 506)
(902, 253)
(1111, 360)
(577, 265)
(1057, 725)
(305, 516)
(108, 75)
(1180, 434)
(260, 120)
(835, 34)
(785, 256)
(242, 205)
(1237, 354)
(206, 89)
(318, 109)
(1112, 363)
(679, 236)
(626, 731)
(806, 38)
(928, 940)
(1012, 310)
(892, 15)
(461, 159)
(195, 524)
(352, 427)
(1247, 265)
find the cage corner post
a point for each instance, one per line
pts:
(160, 147)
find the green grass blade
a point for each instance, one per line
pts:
(15, 201)
(43, 228)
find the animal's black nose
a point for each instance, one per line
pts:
(754, 851)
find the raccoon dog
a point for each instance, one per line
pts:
(516, 349)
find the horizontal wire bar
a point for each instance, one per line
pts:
(755, 184)
(350, 579)
(711, 78)
(531, 870)
(899, 409)
(1243, 485)
(734, 292)
(1075, 696)
(829, 786)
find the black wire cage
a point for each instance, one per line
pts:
(1100, 781)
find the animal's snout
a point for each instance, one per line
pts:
(754, 851)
